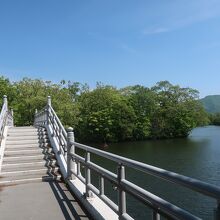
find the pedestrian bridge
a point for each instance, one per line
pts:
(46, 174)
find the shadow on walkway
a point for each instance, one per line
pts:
(68, 204)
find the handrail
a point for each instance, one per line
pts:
(194, 184)
(73, 161)
(48, 116)
(6, 117)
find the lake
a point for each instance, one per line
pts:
(197, 156)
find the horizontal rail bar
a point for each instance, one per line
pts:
(58, 121)
(156, 202)
(80, 177)
(191, 183)
(98, 169)
(104, 198)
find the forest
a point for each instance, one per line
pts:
(108, 114)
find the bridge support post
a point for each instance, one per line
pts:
(49, 100)
(102, 185)
(121, 193)
(71, 165)
(12, 114)
(5, 100)
(217, 212)
(88, 176)
(48, 109)
(155, 215)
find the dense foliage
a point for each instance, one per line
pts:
(214, 119)
(107, 114)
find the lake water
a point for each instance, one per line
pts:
(197, 156)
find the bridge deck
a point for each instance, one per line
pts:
(40, 200)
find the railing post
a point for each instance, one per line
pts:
(5, 101)
(48, 108)
(78, 169)
(102, 186)
(35, 119)
(12, 114)
(49, 100)
(70, 150)
(155, 215)
(217, 211)
(121, 193)
(87, 175)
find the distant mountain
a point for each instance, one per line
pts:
(211, 103)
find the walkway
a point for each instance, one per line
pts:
(31, 186)
(40, 200)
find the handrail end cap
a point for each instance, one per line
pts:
(69, 129)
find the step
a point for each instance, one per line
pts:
(24, 138)
(28, 152)
(41, 171)
(22, 129)
(23, 152)
(9, 174)
(18, 129)
(24, 134)
(28, 179)
(20, 142)
(26, 146)
(29, 166)
(24, 159)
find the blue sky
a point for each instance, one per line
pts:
(118, 42)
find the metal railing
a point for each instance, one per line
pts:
(74, 161)
(49, 116)
(6, 117)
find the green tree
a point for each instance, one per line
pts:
(32, 94)
(178, 111)
(6, 88)
(142, 100)
(105, 115)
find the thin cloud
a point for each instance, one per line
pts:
(114, 41)
(128, 49)
(155, 31)
(182, 19)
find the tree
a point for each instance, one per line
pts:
(142, 100)
(32, 94)
(6, 88)
(178, 111)
(105, 115)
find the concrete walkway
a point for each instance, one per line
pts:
(41, 200)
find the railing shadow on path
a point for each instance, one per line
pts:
(66, 201)
(68, 204)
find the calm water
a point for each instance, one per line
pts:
(197, 156)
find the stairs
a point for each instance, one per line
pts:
(28, 157)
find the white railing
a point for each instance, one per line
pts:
(73, 162)
(6, 119)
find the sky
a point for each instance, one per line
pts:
(117, 42)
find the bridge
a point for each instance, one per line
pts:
(45, 173)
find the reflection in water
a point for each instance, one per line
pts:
(196, 156)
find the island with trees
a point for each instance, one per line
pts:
(107, 114)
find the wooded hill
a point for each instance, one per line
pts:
(211, 103)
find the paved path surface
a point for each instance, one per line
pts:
(42, 200)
